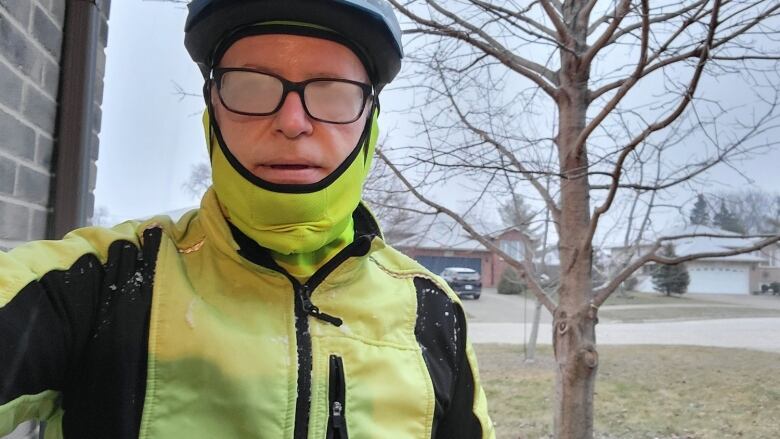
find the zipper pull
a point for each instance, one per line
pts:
(333, 320)
(338, 411)
(305, 294)
(312, 310)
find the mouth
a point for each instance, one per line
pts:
(290, 173)
(291, 167)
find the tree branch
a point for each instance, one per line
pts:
(602, 294)
(621, 10)
(627, 85)
(537, 73)
(658, 19)
(686, 99)
(517, 15)
(504, 151)
(525, 268)
(655, 63)
(560, 27)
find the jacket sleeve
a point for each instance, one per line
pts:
(461, 406)
(467, 415)
(50, 294)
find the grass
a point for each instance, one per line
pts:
(685, 313)
(647, 392)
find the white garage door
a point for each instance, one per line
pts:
(719, 278)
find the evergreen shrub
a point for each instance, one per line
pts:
(511, 283)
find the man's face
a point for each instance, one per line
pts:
(289, 147)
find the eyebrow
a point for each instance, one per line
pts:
(317, 74)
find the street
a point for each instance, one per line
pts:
(497, 318)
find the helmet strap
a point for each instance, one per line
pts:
(215, 133)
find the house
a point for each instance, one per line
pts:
(442, 243)
(737, 274)
(768, 272)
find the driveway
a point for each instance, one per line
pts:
(496, 318)
(499, 308)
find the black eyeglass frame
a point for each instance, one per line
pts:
(289, 86)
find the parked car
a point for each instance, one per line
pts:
(464, 281)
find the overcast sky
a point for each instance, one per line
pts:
(151, 137)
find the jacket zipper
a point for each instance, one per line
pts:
(304, 308)
(337, 422)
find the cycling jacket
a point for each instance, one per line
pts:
(162, 329)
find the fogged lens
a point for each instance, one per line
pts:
(334, 101)
(250, 92)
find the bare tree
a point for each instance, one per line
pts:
(198, 181)
(633, 94)
(390, 203)
(754, 209)
(101, 217)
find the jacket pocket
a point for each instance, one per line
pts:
(337, 421)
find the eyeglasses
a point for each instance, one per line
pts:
(252, 93)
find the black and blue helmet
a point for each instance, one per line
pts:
(368, 26)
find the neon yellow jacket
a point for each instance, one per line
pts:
(158, 329)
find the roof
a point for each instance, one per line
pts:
(443, 233)
(707, 244)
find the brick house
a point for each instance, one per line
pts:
(52, 63)
(442, 243)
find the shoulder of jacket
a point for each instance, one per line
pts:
(183, 230)
(87, 240)
(33, 260)
(397, 264)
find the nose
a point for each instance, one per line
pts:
(292, 120)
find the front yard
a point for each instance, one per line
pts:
(643, 392)
(646, 307)
(686, 313)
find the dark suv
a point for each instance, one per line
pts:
(465, 281)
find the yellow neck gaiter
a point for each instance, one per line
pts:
(298, 220)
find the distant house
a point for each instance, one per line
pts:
(738, 274)
(443, 243)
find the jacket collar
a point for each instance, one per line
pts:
(236, 245)
(366, 229)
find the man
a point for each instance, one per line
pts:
(273, 311)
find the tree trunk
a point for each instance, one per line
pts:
(574, 322)
(530, 354)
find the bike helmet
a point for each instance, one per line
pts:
(370, 26)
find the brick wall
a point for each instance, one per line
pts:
(31, 35)
(105, 8)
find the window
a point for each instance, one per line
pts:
(512, 248)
